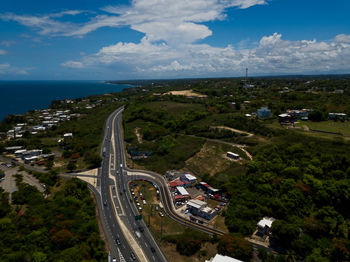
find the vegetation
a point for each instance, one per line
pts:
(59, 228)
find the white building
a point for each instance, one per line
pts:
(182, 191)
(232, 155)
(264, 225)
(221, 258)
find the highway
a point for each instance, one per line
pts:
(117, 206)
(154, 178)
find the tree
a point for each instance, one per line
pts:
(236, 247)
(284, 233)
(71, 166)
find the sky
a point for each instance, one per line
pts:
(158, 39)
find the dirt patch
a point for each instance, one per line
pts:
(209, 160)
(188, 93)
(233, 130)
(138, 135)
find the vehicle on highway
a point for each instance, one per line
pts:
(105, 203)
(132, 256)
(117, 241)
(153, 250)
(114, 260)
(141, 229)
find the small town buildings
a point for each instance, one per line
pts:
(207, 188)
(285, 119)
(20, 152)
(172, 174)
(264, 225)
(31, 153)
(221, 258)
(264, 112)
(188, 177)
(232, 155)
(194, 206)
(337, 116)
(182, 191)
(12, 149)
(175, 183)
(207, 213)
(68, 135)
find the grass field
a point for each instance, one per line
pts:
(329, 126)
(212, 159)
(174, 108)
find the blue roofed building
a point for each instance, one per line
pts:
(264, 112)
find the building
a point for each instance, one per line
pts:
(264, 112)
(194, 206)
(207, 213)
(337, 116)
(31, 153)
(188, 177)
(264, 225)
(182, 191)
(285, 119)
(175, 183)
(221, 258)
(207, 188)
(232, 155)
(172, 174)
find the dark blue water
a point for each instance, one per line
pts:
(17, 97)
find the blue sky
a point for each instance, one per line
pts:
(142, 39)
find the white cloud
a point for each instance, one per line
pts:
(7, 69)
(167, 20)
(273, 55)
(7, 43)
(46, 24)
(73, 64)
(3, 52)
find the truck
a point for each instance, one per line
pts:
(104, 152)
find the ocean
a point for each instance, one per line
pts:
(17, 97)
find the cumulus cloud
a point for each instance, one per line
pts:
(273, 55)
(168, 20)
(3, 52)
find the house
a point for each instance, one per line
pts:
(68, 135)
(189, 178)
(264, 225)
(12, 149)
(285, 119)
(194, 206)
(31, 153)
(337, 116)
(175, 183)
(20, 152)
(221, 258)
(207, 188)
(182, 191)
(264, 112)
(207, 213)
(172, 174)
(232, 155)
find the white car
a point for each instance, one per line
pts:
(144, 202)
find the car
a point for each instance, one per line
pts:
(140, 194)
(105, 203)
(140, 208)
(153, 250)
(114, 260)
(133, 193)
(144, 202)
(161, 214)
(117, 241)
(157, 208)
(133, 257)
(138, 204)
(141, 229)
